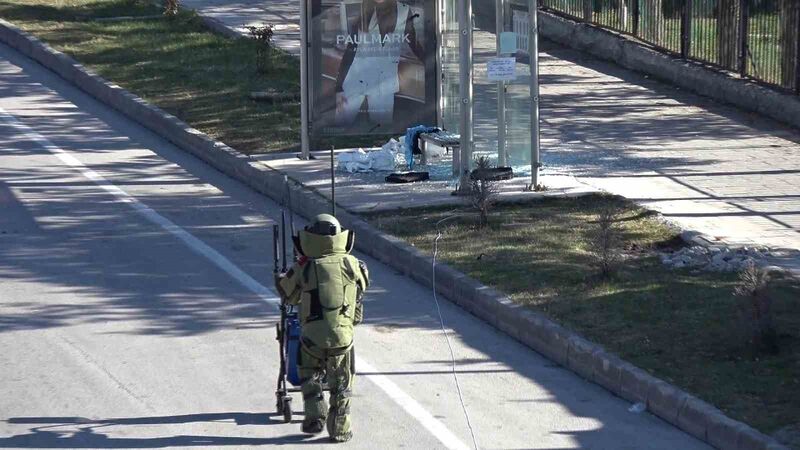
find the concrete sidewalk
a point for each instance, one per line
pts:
(283, 15)
(708, 167)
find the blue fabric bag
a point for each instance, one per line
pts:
(412, 145)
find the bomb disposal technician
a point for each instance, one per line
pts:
(328, 283)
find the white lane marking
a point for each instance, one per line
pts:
(405, 401)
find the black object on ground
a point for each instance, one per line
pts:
(407, 177)
(493, 174)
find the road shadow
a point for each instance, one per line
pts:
(52, 432)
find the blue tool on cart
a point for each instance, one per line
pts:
(288, 332)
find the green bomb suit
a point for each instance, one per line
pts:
(328, 284)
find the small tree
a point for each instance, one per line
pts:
(171, 8)
(263, 37)
(755, 309)
(483, 189)
(605, 239)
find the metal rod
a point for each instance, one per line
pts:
(744, 13)
(275, 258)
(501, 87)
(283, 239)
(636, 16)
(797, 52)
(533, 51)
(465, 89)
(291, 214)
(304, 138)
(587, 10)
(686, 29)
(440, 42)
(333, 184)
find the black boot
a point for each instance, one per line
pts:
(313, 426)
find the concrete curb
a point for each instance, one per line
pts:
(565, 347)
(218, 27)
(692, 76)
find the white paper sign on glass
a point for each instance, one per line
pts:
(502, 69)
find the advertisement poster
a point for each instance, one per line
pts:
(372, 66)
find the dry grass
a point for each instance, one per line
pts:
(175, 63)
(681, 326)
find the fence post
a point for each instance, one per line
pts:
(636, 16)
(686, 29)
(797, 55)
(587, 11)
(744, 20)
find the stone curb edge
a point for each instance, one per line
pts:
(693, 76)
(218, 27)
(565, 347)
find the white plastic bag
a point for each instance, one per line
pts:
(382, 160)
(354, 161)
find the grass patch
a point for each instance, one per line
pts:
(179, 65)
(680, 325)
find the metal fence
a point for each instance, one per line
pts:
(759, 39)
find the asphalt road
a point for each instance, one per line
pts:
(135, 311)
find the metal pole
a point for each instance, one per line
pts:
(686, 29)
(275, 256)
(587, 10)
(333, 184)
(744, 19)
(636, 16)
(533, 51)
(283, 240)
(499, 26)
(291, 215)
(465, 90)
(797, 53)
(304, 145)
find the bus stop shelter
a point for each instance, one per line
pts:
(382, 66)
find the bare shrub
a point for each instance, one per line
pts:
(605, 240)
(263, 37)
(483, 190)
(171, 7)
(755, 310)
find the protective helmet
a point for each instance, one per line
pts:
(324, 236)
(324, 225)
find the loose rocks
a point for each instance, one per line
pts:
(717, 259)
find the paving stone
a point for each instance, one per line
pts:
(694, 417)
(635, 383)
(580, 357)
(549, 339)
(723, 432)
(750, 439)
(608, 371)
(665, 401)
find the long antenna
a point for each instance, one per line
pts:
(291, 215)
(283, 238)
(333, 185)
(275, 237)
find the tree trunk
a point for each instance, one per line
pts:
(790, 10)
(727, 32)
